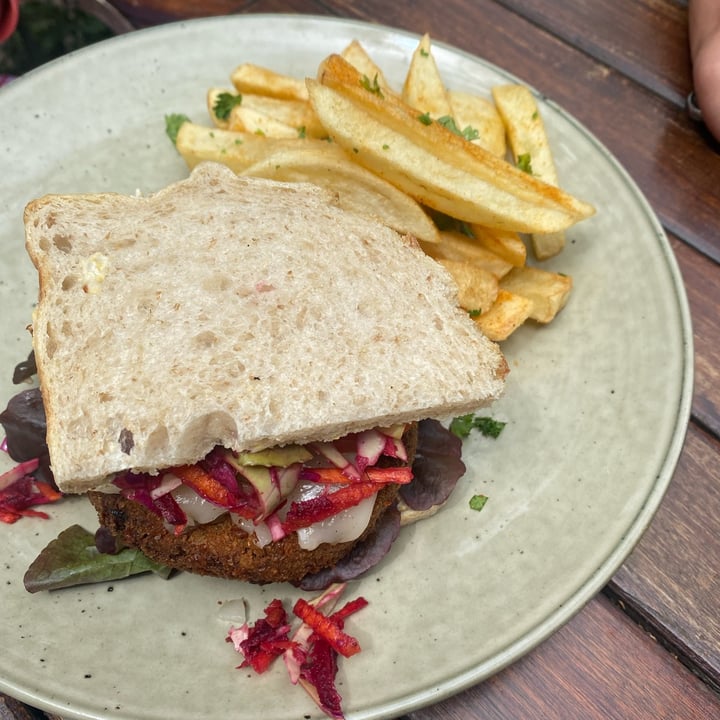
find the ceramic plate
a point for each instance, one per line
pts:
(596, 404)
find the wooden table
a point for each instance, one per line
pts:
(648, 646)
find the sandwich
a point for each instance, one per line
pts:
(233, 369)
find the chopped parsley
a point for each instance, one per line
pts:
(477, 502)
(425, 118)
(524, 162)
(424, 52)
(372, 86)
(463, 425)
(302, 132)
(224, 103)
(469, 133)
(475, 312)
(173, 122)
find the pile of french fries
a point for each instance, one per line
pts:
(471, 177)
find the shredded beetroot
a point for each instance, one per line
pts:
(317, 676)
(328, 628)
(311, 659)
(267, 639)
(304, 513)
(17, 498)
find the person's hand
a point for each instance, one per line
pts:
(704, 29)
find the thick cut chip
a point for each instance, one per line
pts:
(296, 113)
(480, 114)
(245, 119)
(506, 315)
(423, 88)
(249, 78)
(548, 291)
(507, 245)
(456, 246)
(434, 165)
(237, 150)
(359, 58)
(477, 287)
(530, 148)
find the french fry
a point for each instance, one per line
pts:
(548, 291)
(507, 314)
(357, 189)
(477, 287)
(480, 114)
(530, 147)
(249, 78)
(456, 246)
(296, 113)
(464, 181)
(237, 150)
(507, 245)
(423, 88)
(245, 119)
(358, 57)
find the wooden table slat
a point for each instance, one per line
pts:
(703, 290)
(645, 40)
(672, 578)
(584, 671)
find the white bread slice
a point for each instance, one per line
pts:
(236, 311)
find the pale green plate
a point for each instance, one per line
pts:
(597, 405)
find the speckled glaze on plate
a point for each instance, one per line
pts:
(597, 405)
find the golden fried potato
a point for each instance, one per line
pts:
(423, 88)
(507, 245)
(508, 313)
(358, 57)
(295, 113)
(237, 150)
(245, 119)
(462, 180)
(456, 246)
(477, 287)
(249, 78)
(548, 291)
(480, 114)
(531, 150)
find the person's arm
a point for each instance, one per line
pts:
(704, 29)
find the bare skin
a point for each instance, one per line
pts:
(704, 29)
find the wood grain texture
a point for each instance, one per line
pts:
(587, 670)
(645, 40)
(702, 283)
(672, 578)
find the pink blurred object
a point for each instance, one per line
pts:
(9, 12)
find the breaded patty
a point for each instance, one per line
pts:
(224, 550)
(221, 548)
